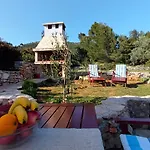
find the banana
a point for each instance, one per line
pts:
(21, 114)
(23, 101)
(34, 105)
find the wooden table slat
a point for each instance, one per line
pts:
(64, 120)
(40, 107)
(75, 120)
(47, 115)
(61, 104)
(44, 110)
(65, 115)
(55, 117)
(89, 117)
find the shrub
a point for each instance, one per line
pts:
(94, 100)
(147, 63)
(107, 66)
(54, 99)
(30, 88)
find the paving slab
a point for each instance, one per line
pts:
(63, 139)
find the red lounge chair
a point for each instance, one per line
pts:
(120, 75)
(94, 75)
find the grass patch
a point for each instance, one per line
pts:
(84, 92)
(95, 100)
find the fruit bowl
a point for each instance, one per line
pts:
(22, 129)
(22, 134)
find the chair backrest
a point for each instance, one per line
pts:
(132, 142)
(121, 70)
(93, 70)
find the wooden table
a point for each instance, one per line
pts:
(99, 79)
(68, 116)
(53, 134)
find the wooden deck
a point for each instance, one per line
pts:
(68, 116)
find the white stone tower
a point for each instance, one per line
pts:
(54, 29)
(54, 37)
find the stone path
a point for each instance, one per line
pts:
(11, 91)
(8, 91)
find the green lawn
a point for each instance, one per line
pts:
(84, 92)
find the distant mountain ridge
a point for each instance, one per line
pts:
(34, 44)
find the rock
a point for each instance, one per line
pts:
(138, 109)
(124, 106)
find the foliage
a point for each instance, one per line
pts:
(29, 45)
(8, 55)
(99, 43)
(27, 51)
(78, 55)
(54, 99)
(147, 64)
(125, 47)
(94, 100)
(30, 88)
(107, 66)
(27, 55)
(141, 53)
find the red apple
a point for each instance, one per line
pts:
(7, 139)
(33, 116)
(21, 125)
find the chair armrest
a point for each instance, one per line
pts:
(125, 121)
(89, 74)
(113, 74)
(133, 120)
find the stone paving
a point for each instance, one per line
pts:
(11, 91)
(116, 106)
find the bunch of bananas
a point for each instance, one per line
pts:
(19, 107)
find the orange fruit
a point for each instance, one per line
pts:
(8, 124)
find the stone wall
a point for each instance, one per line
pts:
(27, 70)
(138, 67)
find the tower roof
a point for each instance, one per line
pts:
(49, 43)
(51, 23)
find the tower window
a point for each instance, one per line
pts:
(49, 26)
(57, 25)
(63, 27)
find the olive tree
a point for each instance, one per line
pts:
(141, 53)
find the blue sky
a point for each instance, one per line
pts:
(21, 20)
